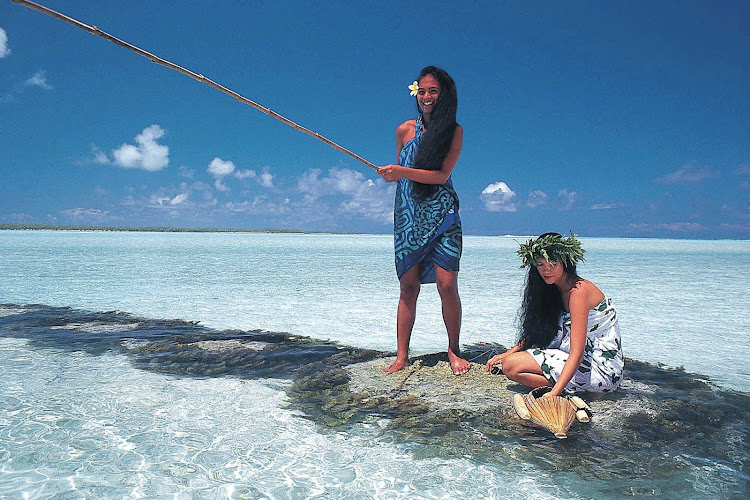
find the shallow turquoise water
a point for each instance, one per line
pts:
(82, 415)
(681, 303)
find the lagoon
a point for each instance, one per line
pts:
(91, 407)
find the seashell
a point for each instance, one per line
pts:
(555, 414)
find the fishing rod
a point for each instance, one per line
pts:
(196, 76)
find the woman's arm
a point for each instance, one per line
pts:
(579, 315)
(394, 172)
(498, 359)
(401, 133)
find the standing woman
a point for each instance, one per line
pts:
(570, 338)
(427, 227)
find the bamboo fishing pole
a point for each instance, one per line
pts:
(158, 60)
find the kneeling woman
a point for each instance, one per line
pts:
(569, 338)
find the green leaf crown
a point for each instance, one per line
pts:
(552, 248)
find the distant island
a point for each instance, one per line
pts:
(159, 229)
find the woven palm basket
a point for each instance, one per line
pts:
(555, 414)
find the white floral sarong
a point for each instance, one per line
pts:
(603, 361)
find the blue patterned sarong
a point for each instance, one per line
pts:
(428, 231)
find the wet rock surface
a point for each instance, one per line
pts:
(431, 379)
(662, 426)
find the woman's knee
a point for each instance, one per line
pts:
(447, 289)
(517, 364)
(410, 289)
(409, 283)
(447, 283)
(510, 366)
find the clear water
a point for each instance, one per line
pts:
(100, 426)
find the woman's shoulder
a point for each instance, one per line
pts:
(406, 126)
(586, 292)
(405, 132)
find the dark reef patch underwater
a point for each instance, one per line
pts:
(665, 431)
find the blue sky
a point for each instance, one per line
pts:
(627, 119)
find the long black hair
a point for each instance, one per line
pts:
(541, 307)
(438, 136)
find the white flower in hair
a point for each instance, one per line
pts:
(414, 87)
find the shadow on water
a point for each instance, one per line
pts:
(664, 427)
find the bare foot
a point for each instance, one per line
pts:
(396, 366)
(458, 364)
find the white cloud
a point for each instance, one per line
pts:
(205, 189)
(266, 179)
(174, 199)
(85, 214)
(187, 173)
(220, 186)
(362, 196)
(38, 79)
(340, 181)
(567, 199)
(148, 155)
(19, 218)
(98, 156)
(311, 185)
(743, 226)
(260, 205)
(498, 197)
(128, 156)
(4, 48)
(688, 174)
(319, 199)
(245, 174)
(677, 227)
(682, 226)
(220, 168)
(159, 201)
(742, 169)
(179, 199)
(536, 198)
(605, 206)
